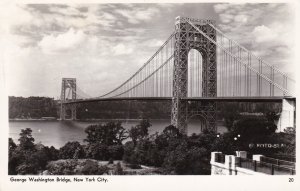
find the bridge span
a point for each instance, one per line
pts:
(215, 99)
(197, 63)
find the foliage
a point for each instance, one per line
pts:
(32, 107)
(231, 114)
(177, 153)
(271, 116)
(290, 130)
(110, 133)
(24, 159)
(118, 170)
(62, 167)
(76, 167)
(97, 151)
(189, 154)
(16, 157)
(26, 140)
(53, 153)
(71, 150)
(129, 152)
(11, 145)
(171, 132)
(27, 162)
(92, 168)
(139, 131)
(253, 129)
(289, 139)
(115, 152)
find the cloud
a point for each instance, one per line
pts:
(263, 34)
(261, 28)
(66, 11)
(121, 49)
(226, 18)
(221, 7)
(241, 18)
(153, 43)
(63, 42)
(106, 43)
(137, 15)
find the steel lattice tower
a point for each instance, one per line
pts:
(68, 83)
(187, 38)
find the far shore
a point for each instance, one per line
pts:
(80, 120)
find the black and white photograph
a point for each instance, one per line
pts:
(167, 89)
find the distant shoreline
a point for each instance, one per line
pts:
(33, 119)
(82, 120)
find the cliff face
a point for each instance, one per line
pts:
(32, 107)
(38, 107)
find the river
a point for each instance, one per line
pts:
(57, 133)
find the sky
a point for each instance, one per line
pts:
(102, 45)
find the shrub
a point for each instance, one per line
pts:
(62, 167)
(118, 170)
(76, 167)
(91, 168)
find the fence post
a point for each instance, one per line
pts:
(277, 162)
(254, 165)
(272, 169)
(240, 161)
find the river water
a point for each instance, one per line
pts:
(57, 133)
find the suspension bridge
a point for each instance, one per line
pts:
(197, 64)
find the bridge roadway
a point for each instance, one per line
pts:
(217, 99)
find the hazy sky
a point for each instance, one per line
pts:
(104, 44)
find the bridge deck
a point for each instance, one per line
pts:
(217, 99)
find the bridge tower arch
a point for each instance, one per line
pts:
(68, 84)
(187, 38)
(201, 118)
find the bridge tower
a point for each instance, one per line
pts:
(68, 84)
(187, 38)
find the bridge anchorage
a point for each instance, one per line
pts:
(195, 68)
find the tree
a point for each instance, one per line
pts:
(53, 153)
(11, 145)
(230, 112)
(144, 127)
(254, 128)
(97, 151)
(108, 134)
(26, 139)
(134, 134)
(171, 132)
(115, 152)
(71, 150)
(271, 116)
(128, 152)
(140, 131)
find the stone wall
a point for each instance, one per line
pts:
(230, 166)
